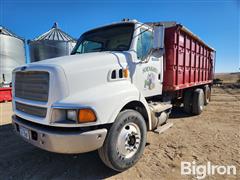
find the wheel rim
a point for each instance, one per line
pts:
(128, 140)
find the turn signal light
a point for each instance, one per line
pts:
(86, 115)
(125, 72)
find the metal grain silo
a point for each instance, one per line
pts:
(53, 43)
(12, 54)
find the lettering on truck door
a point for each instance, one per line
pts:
(149, 71)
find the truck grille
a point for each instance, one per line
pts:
(32, 85)
(32, 110)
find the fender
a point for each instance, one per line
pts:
(107, 100)
(127, 100)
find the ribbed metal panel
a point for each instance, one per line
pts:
(32, 110)
(55, 34)
(53, 43)
(12, 53)
(32, 85)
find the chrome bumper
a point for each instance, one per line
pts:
(60, 140)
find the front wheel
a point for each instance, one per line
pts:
(125, 141)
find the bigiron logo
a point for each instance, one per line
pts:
(201, 171)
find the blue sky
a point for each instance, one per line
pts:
(216, 22)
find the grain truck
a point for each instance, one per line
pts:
(120, 81)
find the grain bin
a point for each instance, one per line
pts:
(12, 54)
(53, 43)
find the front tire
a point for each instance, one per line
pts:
(125, 142)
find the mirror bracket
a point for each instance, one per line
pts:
(158, 37)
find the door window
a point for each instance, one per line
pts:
(144, 43)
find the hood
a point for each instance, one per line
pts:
(84, 71)
(84, 60)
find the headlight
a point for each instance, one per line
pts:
(72, 115)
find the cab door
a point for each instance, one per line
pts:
(148, 68)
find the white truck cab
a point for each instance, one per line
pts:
(96, 98)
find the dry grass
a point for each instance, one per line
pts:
(228, 77)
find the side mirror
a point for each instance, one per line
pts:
(158, 37)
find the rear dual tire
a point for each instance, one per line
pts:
(187, 101)
(198, 102)
(207, 94)
(194, 101)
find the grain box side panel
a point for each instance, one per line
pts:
(188, 61)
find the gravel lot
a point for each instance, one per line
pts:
(213, 136)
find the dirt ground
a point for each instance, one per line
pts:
(213, 136)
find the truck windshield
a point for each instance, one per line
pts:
(109, 38)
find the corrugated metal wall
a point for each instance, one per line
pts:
(12, 53)
(53, 43)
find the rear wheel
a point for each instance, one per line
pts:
(187, 101)
(207, 94)
(125, 141)
(198, 101)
